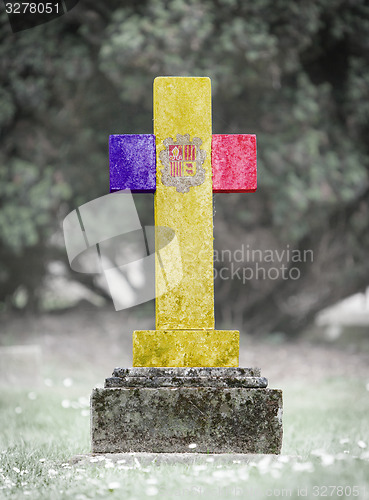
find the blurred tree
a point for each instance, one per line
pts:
(296, 74)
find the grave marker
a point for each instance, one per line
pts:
(189, 165)
(185, 386)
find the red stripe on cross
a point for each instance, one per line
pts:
(233, 160)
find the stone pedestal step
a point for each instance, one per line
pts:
(251, 382)
(186, 372)
(186, 377)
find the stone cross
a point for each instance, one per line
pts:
(184, 164)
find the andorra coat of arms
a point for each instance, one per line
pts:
(182, 160)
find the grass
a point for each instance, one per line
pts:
(325, 451)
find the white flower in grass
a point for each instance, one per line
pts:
(15, 469)
(94, 459)
(8, 483)
(206, 479)
(52, 472)
(65, 403)
(152, 491)
(275, 473)
(264, 464)
(85, 413)
(109, 465)
(210, 459)
(152, 480)
(243, 474)
(84, 402)
(361, 444)
(303, 467)
(277, 465)
(225, 474)
(318, 453)
(67, 382)
(340, 456)
(121, 461)
(18, 410)
(218, 473)
(26, 492)
(344, 440)
(114, 485)
(192, 446)
(199, 467)
(327, 460)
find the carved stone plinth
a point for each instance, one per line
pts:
(220, 410)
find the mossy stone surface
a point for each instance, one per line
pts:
(186, 377)
(168, 420)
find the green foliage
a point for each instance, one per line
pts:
(31, 198)
(294, 73)
(266, 61)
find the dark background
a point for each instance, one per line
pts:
(294, 73)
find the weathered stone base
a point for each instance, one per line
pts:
(217, 417)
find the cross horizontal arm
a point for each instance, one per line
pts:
(233, 159)
(132, 159)
(133, 163)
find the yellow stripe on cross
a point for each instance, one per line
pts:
(185, 334)
(183, 106)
